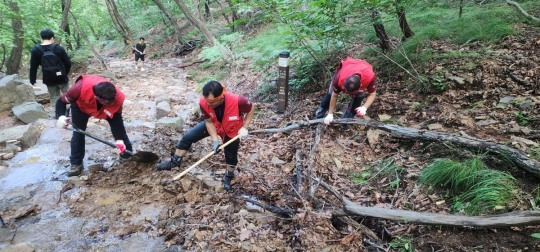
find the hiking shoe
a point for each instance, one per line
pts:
(227, 180)
(74, 170)
(167, 165)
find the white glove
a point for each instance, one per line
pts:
(243, 132)
(361, 111)
(328, 119)
(120, 146)
(63, 122)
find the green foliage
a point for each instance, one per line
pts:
(522, 118)
(361, 177)
(475, 187)
(263, 50)
(535, 152)
(427, 85)
(401, 244)
(536, 235)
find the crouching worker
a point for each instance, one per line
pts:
(353, 77)
(92, 96)
(225, 115)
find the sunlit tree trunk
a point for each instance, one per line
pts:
(172, 20)
(14, 61)
(64, 25)
(101, 60)
(198, 23)
(379, 30)
(3, 56)
(233, 13)
(407, 32)
(119, 23)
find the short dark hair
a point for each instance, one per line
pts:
(46, 34)
(105, 90)
(352, 83)
(141, 38)
(213, 87)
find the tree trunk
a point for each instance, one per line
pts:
(119, 23)
(206, 9)
(198, 23)
(101, 60)
(380, 31)
(14, 61)
(519, 158)
(3, 56)
(460, 8)
(172, 20)
(64, 25)
(233, 13)
(407, 32)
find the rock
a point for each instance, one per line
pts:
(458, 80)
(14, 92)
(41, 93)
(524, 141)
(109, 75)
(486, 122)
(526, 105)
(373, 136)
(25, 211)
(171, 122)
(503, 102)
(26, 134)
(434, 126)
(384, 117)
(29, 112)
(7, 156)
(21, 247)
(162, 109)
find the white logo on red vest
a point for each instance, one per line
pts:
(233, 118)
(107, 112)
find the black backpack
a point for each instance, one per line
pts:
(51, 65)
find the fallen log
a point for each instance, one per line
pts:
(521, 218)
(519, 158)
(279, 211)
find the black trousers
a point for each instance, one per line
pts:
(79, 119)
(349, 110)
(199, 132)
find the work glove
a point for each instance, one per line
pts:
(328, 119)
(63, 122)
(215, 146)
(120, 146)
(243, 132)
(361, 111)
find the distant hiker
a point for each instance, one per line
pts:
(354, 77)
(138, 50)
(55, 65)
(225, 115)
(92, 96)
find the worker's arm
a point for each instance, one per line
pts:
(370, 99)
(211, 128)
(333, 101)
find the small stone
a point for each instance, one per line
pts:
(84, 178)
(435, 126)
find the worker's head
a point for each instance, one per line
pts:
(352, 84)
(46, 34)
(214, 93)
(105, 93)
(141, 39)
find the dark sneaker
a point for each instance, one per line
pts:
(125, 156)
(167, 165)
(227, 180)
(74, 170)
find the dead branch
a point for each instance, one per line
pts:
(311, 158)
(522, 11)
(279, 211)
(365, 230)
(298, 172)
(519, 158)
(193, 63)
(521, 218)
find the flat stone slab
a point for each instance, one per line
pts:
(26, 134)
(171, 122)
(29, 112)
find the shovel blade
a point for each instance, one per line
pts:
(145, 157)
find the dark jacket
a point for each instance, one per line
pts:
(35, 61)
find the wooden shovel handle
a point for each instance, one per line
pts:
(205, 157)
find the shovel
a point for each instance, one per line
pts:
(141, 156)
(205, 157)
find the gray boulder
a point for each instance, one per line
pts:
(29, 112)
(41, 93)
(162, 109)
(171, 122)
(26, 134)
(14, 92)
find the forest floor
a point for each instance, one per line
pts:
(130, 207)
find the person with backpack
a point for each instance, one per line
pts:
(55, 65)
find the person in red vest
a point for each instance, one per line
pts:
(225, 115)
(354, 77)
(92, 96)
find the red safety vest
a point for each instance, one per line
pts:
(87, 102)
(355, 66)
(231, 121)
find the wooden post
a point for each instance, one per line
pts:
(283, 81)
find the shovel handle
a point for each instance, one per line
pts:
(205, 157)
(73, 128)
